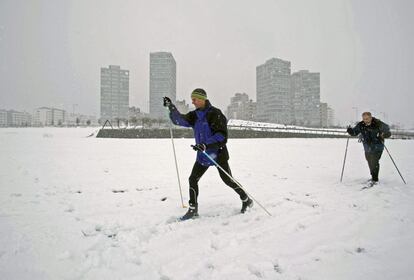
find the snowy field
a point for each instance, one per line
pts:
(74, 207)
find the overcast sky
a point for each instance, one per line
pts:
(51, 51)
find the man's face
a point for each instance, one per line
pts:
(367, 119)
(198, 103)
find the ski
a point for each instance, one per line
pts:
(369, 185)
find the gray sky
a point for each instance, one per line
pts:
(51, 51)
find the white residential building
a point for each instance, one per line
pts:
(305, 90)
(241, 108)
(47, 116)
(15, 118)
(3, 118)
(114, 93)
(162, 82)
(274, 101)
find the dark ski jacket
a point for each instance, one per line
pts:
(210, 128)
(370, 135)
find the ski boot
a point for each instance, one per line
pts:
(192, 213)
(248, 202)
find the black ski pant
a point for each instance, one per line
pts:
(373, 163)
(199, 170)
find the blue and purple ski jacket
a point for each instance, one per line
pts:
(210, 128)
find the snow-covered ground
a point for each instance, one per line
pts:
(74, 207)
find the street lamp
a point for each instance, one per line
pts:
(356, 113)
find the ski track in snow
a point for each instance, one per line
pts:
(78, 207)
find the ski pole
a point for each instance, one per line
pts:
(176, 163)
(343, 165)
(234, 180)
(394, 164)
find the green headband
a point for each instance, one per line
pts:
(195, 94)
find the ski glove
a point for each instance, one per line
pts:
(350, 130)
(199, 147)
(167, 102)
(380, 136)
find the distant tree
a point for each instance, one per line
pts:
(394, 126)
(88, 122)
(133, 120)
(160, 121)
(146, 122)
(77, 121)
(124, 123)
(150, 122)
(166, 122)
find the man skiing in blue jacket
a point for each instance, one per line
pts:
(210, 133)
(372, 133)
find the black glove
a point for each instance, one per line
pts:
(380, 136)
(199, 147)
(349, 130)
(167, 102)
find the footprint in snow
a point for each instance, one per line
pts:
(70, 209)
(64, 255)
(360, 250)
(50, 193)
(308, 203)
(171, 220)
(253, 270)
(210, 266)
(215, 231)
(16, 194)
(214, 246)
(98, 229)
(146, 189)
(276, 267)
(119, 191)
(300, 227)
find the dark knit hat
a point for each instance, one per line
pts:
(199, 93)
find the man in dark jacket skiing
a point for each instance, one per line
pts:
(210, 133)
(372, 133)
